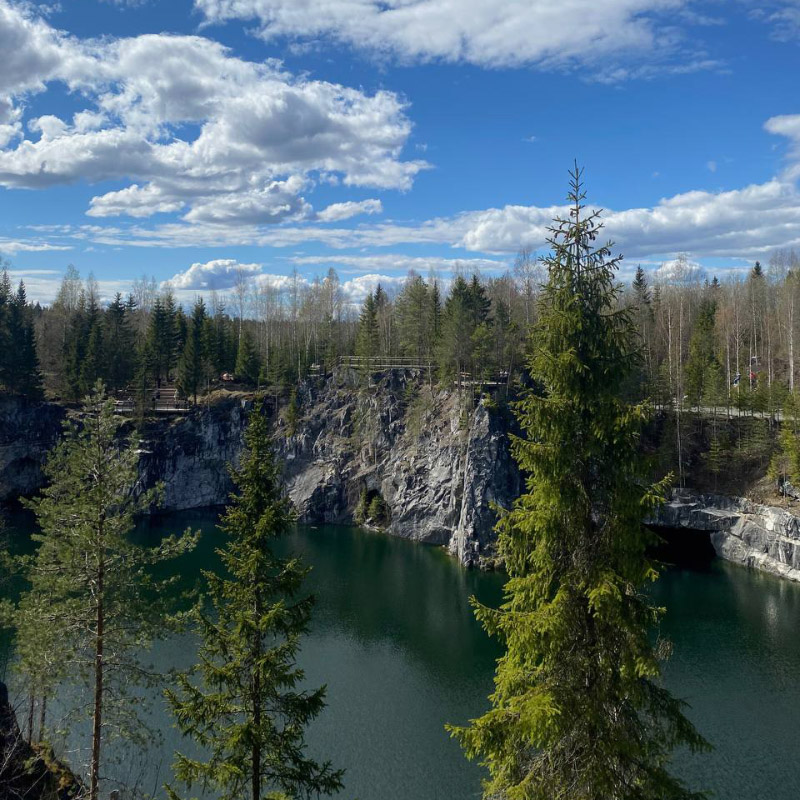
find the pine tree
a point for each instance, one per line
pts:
(242, 704)
(103, 605)
(578, 711)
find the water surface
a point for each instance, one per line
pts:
(395, 641)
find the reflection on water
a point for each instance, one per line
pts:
(395, 640)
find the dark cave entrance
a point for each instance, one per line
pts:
(683, 547)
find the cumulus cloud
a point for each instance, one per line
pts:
(219, 274)
(572, 33)
(192, 127)
(336, 212)
(748, 222)
(680, 270)
(357, 289)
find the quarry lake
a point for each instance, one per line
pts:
(395, 641)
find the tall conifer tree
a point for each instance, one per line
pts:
(103, 606)
(193, 365)
(242, 705)
(578, 710)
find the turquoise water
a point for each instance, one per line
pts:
(395, 640)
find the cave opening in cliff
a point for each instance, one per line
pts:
(683, 547)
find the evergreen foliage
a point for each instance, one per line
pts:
(19, 363)
(242, 704)
(368, 336)
(248, 364)
(193, 365)
(702, 368)
(93, 603)
(578, 710)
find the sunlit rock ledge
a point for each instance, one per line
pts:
(754, 535)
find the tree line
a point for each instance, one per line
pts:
(705, 341)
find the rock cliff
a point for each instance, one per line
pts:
(438, 467)
(189, 455)
(30, 771)
(27, 432)
(755, 535)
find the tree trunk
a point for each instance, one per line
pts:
(256, 699)
(31, 703)
(98, 686)
(42, 716)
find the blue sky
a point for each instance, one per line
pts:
(181, 138)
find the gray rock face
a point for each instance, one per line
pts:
(189, 455)
(755, 535)
(27, 432)
(437, 470)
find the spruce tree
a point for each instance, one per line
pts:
(368, 335)
(578, 711)
(92, 594)
(120, 343)
(414, 319)
(248, 364)
(702, 360)
(21, 360)
(455, 351)
(193, 365)
(5, 331)
(242, 703)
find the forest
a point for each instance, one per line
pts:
(704, 341)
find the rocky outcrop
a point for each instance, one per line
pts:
(190, 455)
(28, 430)
(30, 771)
(755, 535)
(438, 467)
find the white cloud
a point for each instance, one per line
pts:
(190, 126)
(13, 246)
(41, 285)
(746, 222)
(358, 288)
(219, 274)
(680, 270)
(782, 16)
(711, 166)
(567, 34)
(336, 212)
(399, 262)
